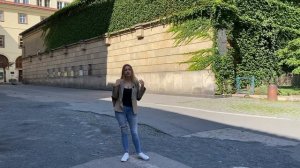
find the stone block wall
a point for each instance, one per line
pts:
(96, 63)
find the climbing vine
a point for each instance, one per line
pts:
(256, 30)
(260, 33)
(85, 19)
(290, 55)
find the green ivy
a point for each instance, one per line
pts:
(223, 67)
(69, 25)
(290, 55)
(200, 59)
(192, 29)
(85, 19)
(256, 30)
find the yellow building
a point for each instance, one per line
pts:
(15, 17)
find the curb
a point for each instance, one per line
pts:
(280, 98)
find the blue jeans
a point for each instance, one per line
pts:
(127, 116)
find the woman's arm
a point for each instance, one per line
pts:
(140, 90)
(115, 90)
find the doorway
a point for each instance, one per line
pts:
(3, 65)
(19, 67)
(20, 78)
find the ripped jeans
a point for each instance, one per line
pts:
(127, 116)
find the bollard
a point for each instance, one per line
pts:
(272, 92)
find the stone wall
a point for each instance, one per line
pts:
(96, 63)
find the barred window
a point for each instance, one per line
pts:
(90, 70)
(2, 41)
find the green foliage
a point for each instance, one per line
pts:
(261, 90)
(256, 47)
(127, 13)
(290, 55)
(191, 29)
(85, 19)
(256, 30)
(291, 2)
(69, 25)
(269, 12)
(288, 90)
(223, 67)
(200, 59)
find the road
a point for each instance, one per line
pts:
(62, 127)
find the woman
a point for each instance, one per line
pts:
(126, 92)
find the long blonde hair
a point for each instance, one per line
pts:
(133, 77)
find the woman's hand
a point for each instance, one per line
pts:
(142, 83)
(118, 82)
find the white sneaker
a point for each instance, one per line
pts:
(143, 156)
(125, 157)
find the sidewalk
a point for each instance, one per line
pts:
(246, 113)
(280, 98)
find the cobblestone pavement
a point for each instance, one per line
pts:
(46, 134)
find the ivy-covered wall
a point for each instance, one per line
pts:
(263, 27)
(89, 18)
(256, 30)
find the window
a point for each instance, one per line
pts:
(1, 16)
(19, 62)
(72, 71)
(39, 3)
(90, 69)
(22, 18)
(80, 70)
(25, 1)
(2, 41)
(20, 42)
(61, 4)
(1, 75)
(47, 3)
(17, 1)
(66, 71)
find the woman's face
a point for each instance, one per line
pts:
(127, 71)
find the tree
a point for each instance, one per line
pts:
(290, 55)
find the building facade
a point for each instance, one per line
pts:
(15, 17)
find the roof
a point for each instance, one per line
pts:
(34, 27)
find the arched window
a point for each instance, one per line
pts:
(3, 61)
(19, 62)
(3, 64)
